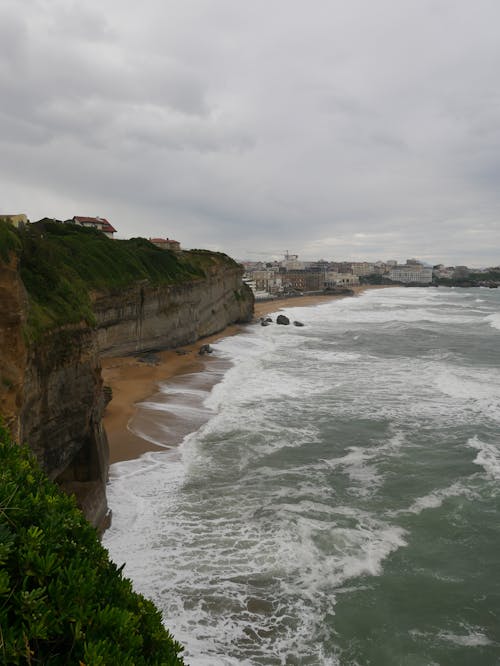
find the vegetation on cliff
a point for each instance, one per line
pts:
(61, 599)
(61, 264)
(473, 279)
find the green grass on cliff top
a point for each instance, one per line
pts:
(61, 263)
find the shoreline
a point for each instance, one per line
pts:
(133, 380)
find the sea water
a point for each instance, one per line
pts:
(338, 501)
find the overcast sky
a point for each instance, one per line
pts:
(337, 129)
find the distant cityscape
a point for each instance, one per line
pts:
(291, 275)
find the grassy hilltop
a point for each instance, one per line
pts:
(61, 264)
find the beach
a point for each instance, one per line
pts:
(134, 378)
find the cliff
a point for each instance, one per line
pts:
(68, 295)
(145, 316)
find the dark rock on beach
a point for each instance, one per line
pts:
(298, 323)
(281, 319)
(205, 349)
(149, 358)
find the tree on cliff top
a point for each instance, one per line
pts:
(62, 601)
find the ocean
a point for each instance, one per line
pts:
(335, 498)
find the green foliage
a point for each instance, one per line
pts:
(206, 259)
(61, 264)
(492, 276)
(9, 241)
(62, 601)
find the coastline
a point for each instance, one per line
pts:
(133, 380)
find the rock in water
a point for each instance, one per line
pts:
(205, 349)
(281, 319)
(298, 323)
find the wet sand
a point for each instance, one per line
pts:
(133, 380)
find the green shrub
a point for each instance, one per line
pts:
(62, 601)
(9, 240)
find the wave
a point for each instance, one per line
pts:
(435, 499)
(494, 320)
(488, 457)
(288, 495)
(472, 637)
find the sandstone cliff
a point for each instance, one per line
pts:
(147, 317)
(52, 335)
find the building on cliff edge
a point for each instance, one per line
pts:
(97, 223)
(166, 244)
(17, 220)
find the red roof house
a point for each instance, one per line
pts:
(97, 223)
(166, 244)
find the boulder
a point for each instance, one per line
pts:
(205, 349)
(281, 319)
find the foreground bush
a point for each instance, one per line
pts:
(62, 601)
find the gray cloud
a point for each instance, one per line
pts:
(343, 130)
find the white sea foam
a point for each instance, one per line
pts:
(494, 320)
(272, 506)
(435, 499)
(474, 637)
(488, 457)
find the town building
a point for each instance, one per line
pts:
(17, 220)
(362, 268)
(380, 267)
(269, 280)
(441, 271)
(98, 223)
(166, 244)
(461, 272)
(333, 279)
(291, 263)
(340, 266)
(320, 266)
(411, 274)
(301, 281)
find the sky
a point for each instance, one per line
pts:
(335, 129)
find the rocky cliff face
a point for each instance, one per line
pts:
(51, 397)
(144, 317)
(51, 390)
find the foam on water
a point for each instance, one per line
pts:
(474, 637)
(286, 496)
(494, 320)
(275, 570)
(488, 457)
(435, 499)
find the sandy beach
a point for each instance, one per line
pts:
(133, 379)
